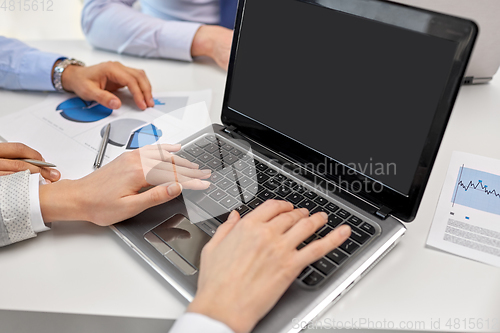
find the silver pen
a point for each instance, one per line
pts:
(102, 148)
(39, 163)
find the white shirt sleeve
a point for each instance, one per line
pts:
(194, 323)
(35, 212)
(132, 32)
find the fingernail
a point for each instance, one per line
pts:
(232, 216)
(152, 101)
(114, 104)
(345, 231)
(305, 211)
(174, 189)
(194, 165)
(144, 105)
(324, 215)
(206, 171)
(54, 174)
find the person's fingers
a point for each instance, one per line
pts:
(18, 165)
(269, 209)
(144, 84)
(156, 175)
(118, 73)
(224, 229)
(155, 157)
(285, 221)
(163, 146)
(175, 170)
(18, 150)
(319, 248)
(305, 228)
(157, 195)
(195, 184)
(92, 92)
(5, 173)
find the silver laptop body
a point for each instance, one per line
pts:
(377, 218)
(485, 59)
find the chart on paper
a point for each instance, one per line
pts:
(477, 189)
(467, 218)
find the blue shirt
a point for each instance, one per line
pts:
(25, 68)
(162, 29)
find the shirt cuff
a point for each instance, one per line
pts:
(191, 322)
(36, 70)
(176, 39)
(35, 211)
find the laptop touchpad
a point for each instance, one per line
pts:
(180, 241)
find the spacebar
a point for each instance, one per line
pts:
(213, 209)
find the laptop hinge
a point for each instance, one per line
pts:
(383, 212)
(229, 129)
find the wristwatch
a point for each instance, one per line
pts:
(59, 70)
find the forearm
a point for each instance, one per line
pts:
(59, 202)
(132, 32)
(25, 68)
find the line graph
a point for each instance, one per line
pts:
(477, 189)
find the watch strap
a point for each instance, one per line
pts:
(59, 70)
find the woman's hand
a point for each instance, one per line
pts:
(113, 193)
(249, 263)
(94, 83)
(11, 154)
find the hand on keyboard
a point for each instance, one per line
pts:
(250, 262)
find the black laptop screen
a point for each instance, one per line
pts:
(360, 92)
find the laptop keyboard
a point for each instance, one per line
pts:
(242, 182)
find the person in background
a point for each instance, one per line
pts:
(246, 266)
(174, 29)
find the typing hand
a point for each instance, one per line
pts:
(94, 83)
(250, 262)
(113, 193)
(11, 152)
(214, 42)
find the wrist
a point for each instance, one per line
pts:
(203, 42)
(67, 77)
(235, 321)
(59, 202)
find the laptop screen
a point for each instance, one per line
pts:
(358, 91)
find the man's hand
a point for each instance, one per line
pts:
(214, 42)
(12, 152)
(114, 192)
(94, 83)
(249, 263)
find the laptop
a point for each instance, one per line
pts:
(334, 105)
(485, 59)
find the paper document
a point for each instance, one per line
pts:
(467, 218)
(67, 131)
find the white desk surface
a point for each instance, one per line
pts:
(84, 269)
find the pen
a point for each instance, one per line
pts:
(39, 163)
(102, 148)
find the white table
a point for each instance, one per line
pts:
(79, 268)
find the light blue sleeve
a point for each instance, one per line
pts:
(194, 323)
(115, 26)
(25, 68)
